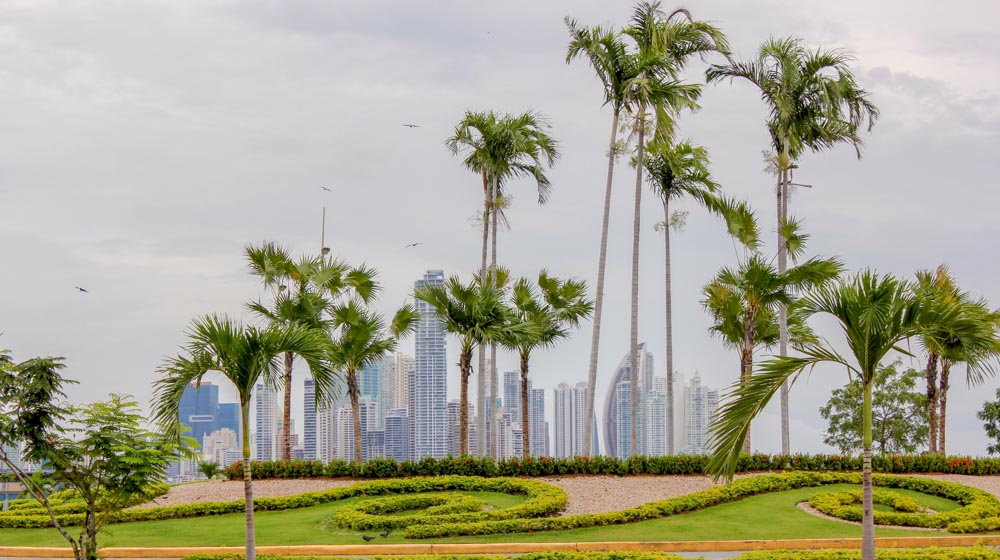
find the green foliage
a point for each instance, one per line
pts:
(526, 556)
(210, 469)
(899, 413)
(990, 415)
(930, 553)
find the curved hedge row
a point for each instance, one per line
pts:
(547, 466)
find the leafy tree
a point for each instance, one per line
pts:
(362, 340)
(899, 421)
(101, 451)
(990, 415)
(876, 314)
(499, 149)
(553, 309)
(301, 293)
(814, 103)
(245, 356)
(477, 315)
(210, 469)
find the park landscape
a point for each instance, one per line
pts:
(100, 484)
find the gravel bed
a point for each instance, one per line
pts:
(586, 493)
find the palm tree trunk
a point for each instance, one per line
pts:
(932, 402)
(782, 309)
(481, 371)
(746, 362)
(286, 437)
(943, 404)
(251, 542)
(525, 425)
(867, 511)
(355, 395)
(493, 266)
(595, 340)
(669, 319)
(634, 317)
(465, 364)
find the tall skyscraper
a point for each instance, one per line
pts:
(657, 421)
(387, 396)
(700, 403)
(230, 417)
(370, 386)
(326, 436)
(267, 423)
(509, 440)
(512, 394)
(570, 412)
(309, 419)
(428, 388)
(198, 409)
(537, 426)
(617, 413)
(397, 435)
(405, 366)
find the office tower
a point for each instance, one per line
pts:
(617, 414)
(309, 419)
(657, 423)
(344, 433)
(198, 409)
(428, 398)
(326, 435)
(509, 440)
(374, 444)
(512, 394)
(454, 429)
(700, 403)
(267, 418)
(570, 413)
(387, 396)
(230, 417)
(405, 366)
(222, 446)
(397, 435)
(537, 426)
(370, 386)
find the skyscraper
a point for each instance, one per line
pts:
(512, 394)
(387, 396)
(198, 409)
(405, 366)
(617, 414)
(537, 426)
(397, 435)
(309, 419)
(266, 422)
(700, 403)
(428, 398)
(370, 387)
(657, 422)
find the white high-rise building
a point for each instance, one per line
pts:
(509, 440)
(344, 433)
(309, 431)
(326, 438)
(657, 421)
(428, 398)
(537, 426)
(700, 403)
(397, 435)
(454, 429)
(570, 411)
(387, 396)
(220, 446)
(617, 416)
(402, 372)
(267, 418)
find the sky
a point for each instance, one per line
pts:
(145, 143)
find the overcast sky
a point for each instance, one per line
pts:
(143, 144)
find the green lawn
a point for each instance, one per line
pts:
(769, 516)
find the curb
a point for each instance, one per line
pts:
(510, 548)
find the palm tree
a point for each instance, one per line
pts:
(362, 340)
(301, 293)
(476, 314)
(662, 44)
(556, 307)
(677, 171)
(876, 314)
(501, 148)
(245, 356)
(814, 103)
(748, 297)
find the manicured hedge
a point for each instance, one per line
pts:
(547, 466)
(953, 553)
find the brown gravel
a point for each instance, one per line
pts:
(587, 494)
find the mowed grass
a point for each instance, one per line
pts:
(769, 516)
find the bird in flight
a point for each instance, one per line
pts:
(82, 290)
(408, 125)
(412, 245)
(326, 189)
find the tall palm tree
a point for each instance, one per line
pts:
(301, 293)
(245, 356)
(499, 149)
(748, 297)
(553, 309)
(362, 340)
(876, 314)
(477, 315)
(677, 171)
(814, 103)
(663, 43)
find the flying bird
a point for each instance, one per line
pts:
(408, 125)
(386, 533)
(368, 538)
(82, 290)
(326, 189)
(412, 245)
